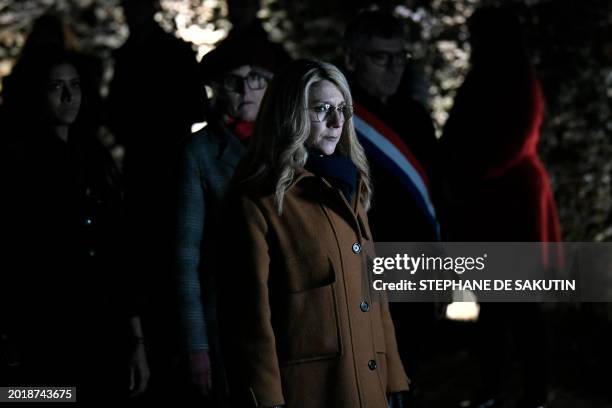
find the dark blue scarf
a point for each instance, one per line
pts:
(340, 171)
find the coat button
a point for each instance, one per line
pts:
(356, 248)
(364, 306)
(372, 365)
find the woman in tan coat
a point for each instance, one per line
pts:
(300, 328)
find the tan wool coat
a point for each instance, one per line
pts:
(299, 328)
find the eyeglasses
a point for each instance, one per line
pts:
(385, 59)
(235, 83)
(324, 111)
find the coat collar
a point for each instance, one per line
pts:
(299, 175)
(302, 173)
(355, 207)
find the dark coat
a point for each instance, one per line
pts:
(65, 299)
(153, 100)
(296, 328)
(498, 190)
(208, 162)
(497, 186)
(395, 216)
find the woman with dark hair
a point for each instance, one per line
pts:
(68, 306)
(51, 31)
(299, 326)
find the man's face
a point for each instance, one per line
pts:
(378, 67)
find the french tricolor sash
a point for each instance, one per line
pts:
(385, 147)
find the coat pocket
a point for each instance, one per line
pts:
(309, 328)
(308, 271)
(379, 333)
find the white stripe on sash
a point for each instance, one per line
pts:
(395, 155)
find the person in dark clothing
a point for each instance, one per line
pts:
(238, 70)
(70, 311)
(154, 99)
(399, 138)
(498, 189)
(49, 30)
(245, 23)
(375, 58)
(158, 73)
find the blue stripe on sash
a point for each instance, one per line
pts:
(391, 158)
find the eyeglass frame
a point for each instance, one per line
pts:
(340, 108)
(245, 79)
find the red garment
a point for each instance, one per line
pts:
(500, 190)
(242, 129)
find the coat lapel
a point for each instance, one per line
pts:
(230, 149)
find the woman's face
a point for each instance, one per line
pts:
(63, 94)
(243, 89)
(327, 111)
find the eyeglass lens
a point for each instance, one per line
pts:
(235, 83)
(325, 112)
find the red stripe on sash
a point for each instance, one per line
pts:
(393, 137)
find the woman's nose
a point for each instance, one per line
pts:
(336, 118)
(66, 94)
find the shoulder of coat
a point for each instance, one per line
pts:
(258, 191)
(300, 176)
(203, 139)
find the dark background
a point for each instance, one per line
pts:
(570, 42)
(571, 47)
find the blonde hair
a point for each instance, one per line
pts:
(278, 145)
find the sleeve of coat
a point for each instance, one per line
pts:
(190, 217)
(396, 376)
(245, 317)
